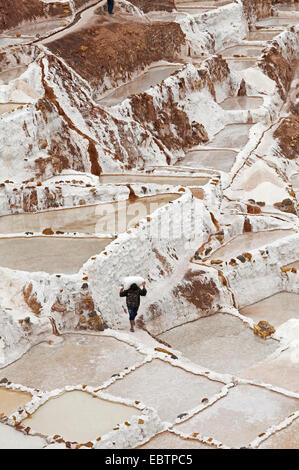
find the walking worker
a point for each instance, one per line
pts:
(133, 295)
(110, 4)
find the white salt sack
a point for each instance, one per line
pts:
(129, 280)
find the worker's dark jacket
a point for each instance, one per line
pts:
(133, 296)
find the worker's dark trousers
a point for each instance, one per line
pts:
(110, 6)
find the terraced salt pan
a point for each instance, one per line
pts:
(163, 387)
(165, 180)
(295, 181)
(281, 371)
(11, 400)
(242, 50)
(78, 359)
(140, 84)
(169, 440)
(236, 345)
(11, 74)
(275, 21)
(262, 35)
(238, 418)
(276, 309)
(206, 4)
(237, 65)
(100, 218)
(233, 136)
(287, 438)
(78, 416)
(218, 159)
(248, 242)
(294, 265)
(285, 7)
(52, 255)
(12, 439)
(41, 27)
(6, 41)
(8, 107)
(259, 182)
(242, 102)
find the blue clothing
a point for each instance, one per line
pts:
(133, 312)
(110, 6)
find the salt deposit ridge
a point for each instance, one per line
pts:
(160, 143)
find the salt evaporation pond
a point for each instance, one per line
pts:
(242, 50)
(170, 440)
(101, 218)
(175, 380)
(79, 416)
(217, 159)
(9, 107)
(51, 255)
(262, 35)
(204, 4)
(248, 242)
(140, 84)
(242, 102)
(166, 180)
(276, 309)
(238, 418)
(198, 341)
(10, 438)
(11, 400)
(289, 7)
(40, 27)
(77, 358)
(275, 21)
(286, 438)
(238, 65)
(233, 136)
(11, 74)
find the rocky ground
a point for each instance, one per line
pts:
(161, 142)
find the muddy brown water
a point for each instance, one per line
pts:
(79, 416)
(140, 84)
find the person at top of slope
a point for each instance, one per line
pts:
(110, 5)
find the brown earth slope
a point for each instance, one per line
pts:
(27, 11)
(287, 135)
(118, 50)
(256, 9)
(151, 5)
